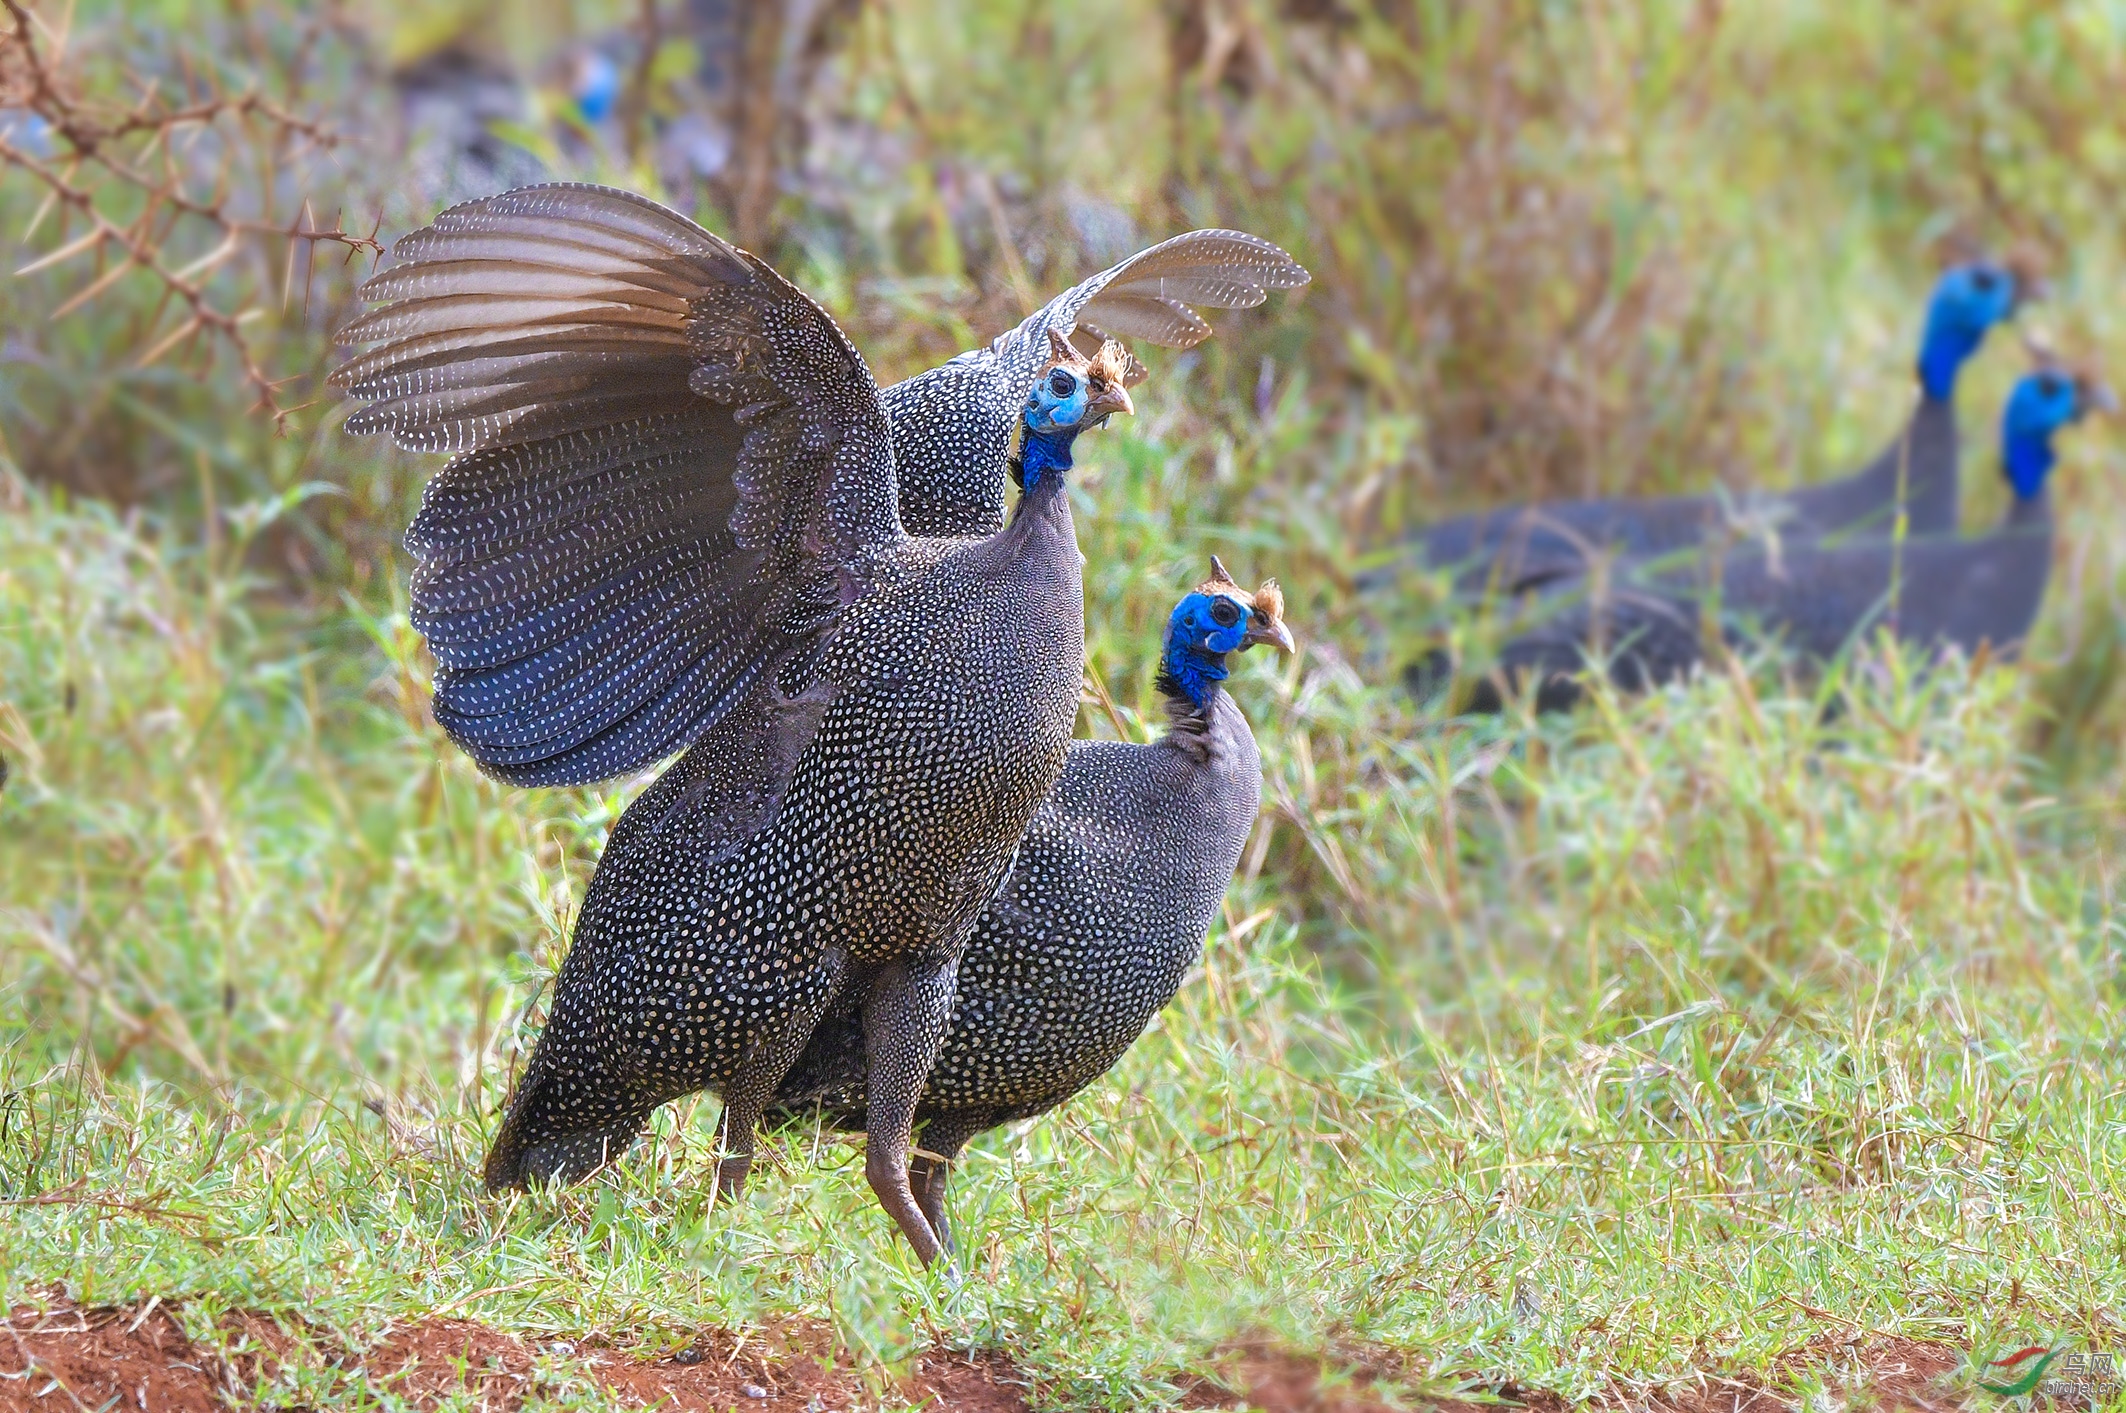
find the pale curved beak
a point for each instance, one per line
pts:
(1110, 400)
(1271, 631)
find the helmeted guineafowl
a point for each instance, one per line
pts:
(1106, 908)
(1650, 623)
(1520, 547)
(673, 521)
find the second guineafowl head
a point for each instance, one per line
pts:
(1218, 617)
(2044, 403)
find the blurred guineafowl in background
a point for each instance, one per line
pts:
(1950, 589)
(1519, 547)
(1106, 908)
(674, 520)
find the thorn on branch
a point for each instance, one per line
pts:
(80, 162)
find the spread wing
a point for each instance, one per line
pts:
(1149, 297)
(952, 425)
(672, 473)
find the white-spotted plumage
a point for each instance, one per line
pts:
(1114, 887)
(674, 520)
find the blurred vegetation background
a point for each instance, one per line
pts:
(1622, 246)
(1558, 250)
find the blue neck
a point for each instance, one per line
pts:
(1194, 673)
(1942, 354)
(1042, 453)
(2027, 458)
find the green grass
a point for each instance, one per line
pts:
(1686, 1018)
(1589, 1053)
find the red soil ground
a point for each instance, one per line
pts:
(62, 1358)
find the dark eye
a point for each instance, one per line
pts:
(2050, 385)
(1983, 279)
(1062, 384)
(1224, 612)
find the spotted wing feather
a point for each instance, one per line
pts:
(671, 473)
(1149, 297)
(952, 425)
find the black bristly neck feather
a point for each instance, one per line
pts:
(1188, 720)
(1047, 455)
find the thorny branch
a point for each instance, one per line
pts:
(109, 157)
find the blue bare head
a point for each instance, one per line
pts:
(1968, 300)
(1072, 393)
(2043, 402)
(1217, 617)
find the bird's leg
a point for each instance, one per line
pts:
(930, 1167)
(927, 1177)
(904, 1023)
(768, 1059)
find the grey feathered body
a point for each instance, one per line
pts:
(1865, 503)
(1815, 598)
(952, 430)
(889, 832)
(1116, 884)
(1523, 547)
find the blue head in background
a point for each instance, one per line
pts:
(1968, 300)
(597, 87)
(1072, 393)
(2043, 402)
(1218, 617)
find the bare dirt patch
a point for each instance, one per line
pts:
(1897, 1375)
(1280, 1381)
(1259, 1375)
(63, 1357)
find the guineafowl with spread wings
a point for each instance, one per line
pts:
(673, 520)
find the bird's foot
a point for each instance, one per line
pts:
(731, 1176)
(889, 1182)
